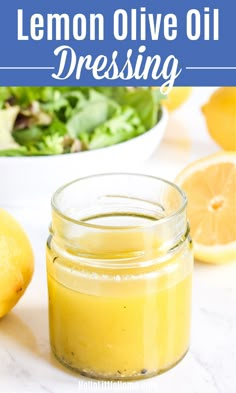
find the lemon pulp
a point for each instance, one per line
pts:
(210, 184)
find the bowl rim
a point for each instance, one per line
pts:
(164, 116)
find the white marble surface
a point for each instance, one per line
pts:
(26, 364)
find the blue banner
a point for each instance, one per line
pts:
(114, 43)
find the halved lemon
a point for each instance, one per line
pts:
(210, 185)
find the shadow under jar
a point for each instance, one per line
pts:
(119, 266)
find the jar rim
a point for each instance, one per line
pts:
(150, 224)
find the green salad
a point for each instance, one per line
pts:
(36, 121)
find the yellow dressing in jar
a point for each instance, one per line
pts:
(119, 267)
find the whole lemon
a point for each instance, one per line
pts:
(176, 97)
(16, 262)
(220, 114)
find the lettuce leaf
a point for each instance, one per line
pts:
(146, 101)
(96, 111)
(47, 145)
(124, 125)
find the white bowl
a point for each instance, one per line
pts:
(29, 180)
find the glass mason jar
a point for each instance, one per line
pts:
(119, 266)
